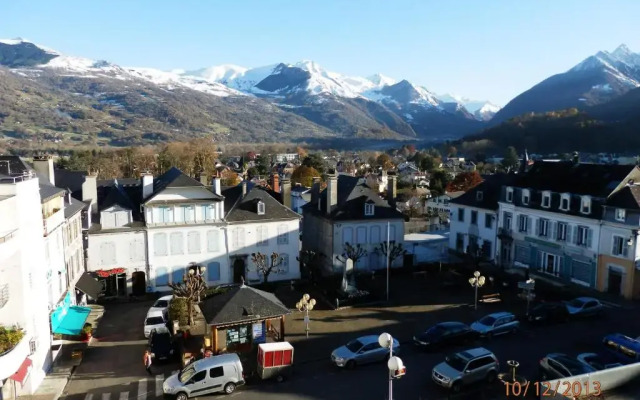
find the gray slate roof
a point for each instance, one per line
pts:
(491, 189)
(628, 197)
(16, 166)
(73, 207)
(48, 191)
(242, 304)
(174, 178)
(240, 209)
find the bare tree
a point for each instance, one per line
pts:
(191, 288)
(354, 253)
(266, 265)
(393, 250)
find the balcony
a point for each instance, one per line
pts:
(11, 360)
(53, 220)
(505, 233)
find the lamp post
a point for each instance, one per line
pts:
(395, 365)
(476, 281)
(306, 304)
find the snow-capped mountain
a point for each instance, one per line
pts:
(483, 110)
(596, 80)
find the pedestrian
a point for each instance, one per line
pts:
(147, 361)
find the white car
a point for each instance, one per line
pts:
(155, 320)
(161, 304)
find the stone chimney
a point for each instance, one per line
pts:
(285, 192)
(315, 191)
(275, 182)
(391, 188)
(147, 185)
(90, 191)
(332, 191)
(244, 188)
(204, 179)
(216, 186)
(44, 166)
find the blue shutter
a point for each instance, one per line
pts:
(589, 237)
(177, 275)
(375, 234)
(576, 231)
(347, 235)
(162, 277)
(213, 271)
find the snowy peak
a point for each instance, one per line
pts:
(404, 92)
(380, 80)
(220, 73)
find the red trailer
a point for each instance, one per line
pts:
(275, 360)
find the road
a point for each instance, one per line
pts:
(112, 368)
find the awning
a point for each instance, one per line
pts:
(88, 285)
(73, 321)
(22, 372)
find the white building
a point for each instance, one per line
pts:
(441, 204)
(300, 195)
(23, 279)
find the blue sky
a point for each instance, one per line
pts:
(479, 49)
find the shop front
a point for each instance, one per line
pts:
(68, 319)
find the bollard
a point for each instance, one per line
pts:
(337, 303)
(513, 366)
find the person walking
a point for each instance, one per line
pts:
(147, 361)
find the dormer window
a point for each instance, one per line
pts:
(261, 208)
(369, 209)
(585, 205)
(620, 214)
(509, 195)
(546, 199)
(525, 197)
(479, 195)
(564, 202)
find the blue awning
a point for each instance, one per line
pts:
(73, 321)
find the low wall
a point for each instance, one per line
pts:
(601, 381)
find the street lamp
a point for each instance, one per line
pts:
(395, 364)
(306, 304)
(476, 281)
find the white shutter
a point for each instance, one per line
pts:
(589, 237)
(193, 242)
(213, 241)
(160, 244)
(576, 232)
(176, 243)
(553, 229)
(361, 235)
(375, 234)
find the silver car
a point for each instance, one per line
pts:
(465, 368)
(496, 324)
(362, 350)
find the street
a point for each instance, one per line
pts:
(112, 367)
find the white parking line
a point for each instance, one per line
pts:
(159, 381)
(142, 389)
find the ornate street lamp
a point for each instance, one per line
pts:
(476, 281)
(395, 364)
(306, 304)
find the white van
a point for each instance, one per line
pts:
(221, 373)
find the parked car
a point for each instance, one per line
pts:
(156, 320)
(584, 307)
(548, 313)
(444, 334)
(623, 348)
(465, 368)
(597, 361)
(559, 365)
(362, 350)
(496, 324)
(161, 304)
(221, 373)
(161, 345)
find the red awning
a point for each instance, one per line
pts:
(22, 372)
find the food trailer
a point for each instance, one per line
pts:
(275, 360)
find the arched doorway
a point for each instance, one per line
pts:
(238, 270)
(138, 283)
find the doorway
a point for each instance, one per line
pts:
(238, 270)
(614, 282)
(138, 283)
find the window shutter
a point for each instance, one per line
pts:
(213, 270)
(529, 227)
(176, 243)
(193, 242)
(375, 234)
(554, 230)
(589, 237)
(568, 232)
(576, 231)
(160, 244)
(539, 227)
(284, 267)
(625, 248)
(212, 241)
(347, 235)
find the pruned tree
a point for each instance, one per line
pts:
(266, 265)
(393, 250)
(191, 288)
(351, 252)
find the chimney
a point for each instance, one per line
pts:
(332, 191)
(44, 166)
(90, 191)
(285, 192)
(391, 189)
(244, 188)
(216, 186)
(204, 179)
(275, 182)
(68, 197)
(315, 191)
(147, 185)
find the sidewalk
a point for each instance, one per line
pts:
(53, 385)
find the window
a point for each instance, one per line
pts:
(486, 249)
(369, 209)
(459, 242)
(199, 376)
(189, 213)
(33, 346)
(543, 227)
(546, 199)
(564, 202)
(176, 243)
(479, 195)
(506, 224)
(237, 238)
(166, 214)
(208, 212)
(213, 271)
(262, 233)
(4, 294)
(193, 242)
(283, 235)
(620, 214)
(474, 217)
(136, 250)
(213, 241)
(561, 233)
(525, 196)
(261, 208)
(509, 195)
(108, 253)
(488, 220)
(375, 234)
(216, 372)
(162, 277)
(550, 263)
(583, 236)
(361, 235)
(391, 233)
(585, 205)
(284, 267)
(523, 223)
(620, 247)
(160, 244)
(461, 214)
